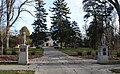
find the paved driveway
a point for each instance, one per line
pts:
(56, 62)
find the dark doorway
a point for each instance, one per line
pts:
(47, 44)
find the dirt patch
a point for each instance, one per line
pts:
(14, 57)
(95, 57)
(8, 57)
(88, 57)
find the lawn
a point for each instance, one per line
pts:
(35, 52)
(15, 51)
(75, 51)
(87, 53)
(17, 72)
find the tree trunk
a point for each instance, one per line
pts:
(1, 23)
(7, 37)
(8, 24)
(1, 36)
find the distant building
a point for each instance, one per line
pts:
(84, 36)
(49, 42)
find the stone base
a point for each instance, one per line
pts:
(23, 54)
(103, 59)
(103, 54)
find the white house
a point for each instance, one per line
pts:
(50, 41)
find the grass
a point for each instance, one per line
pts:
(38, 51)
(87, 49)
(114, 52)
(89, 53)
(11, 63)
(74, 51)
(29, 49)
(8, 63)
(17, 72)
(115, 70)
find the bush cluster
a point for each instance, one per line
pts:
(84, 53)
(118, 54)
(79, 53)
(89, 53)
(33, 53)
(13, 52)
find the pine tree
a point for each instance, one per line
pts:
(60, 28)
(39, 25)
(74, 38)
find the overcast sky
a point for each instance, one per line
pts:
(75, 8)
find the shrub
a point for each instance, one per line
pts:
(33, 53)
(5, 52)
(118, 54)
(84, 53)
(8, 52)
(79, 53)
(89, 53)
(97, 53)
(14, 52)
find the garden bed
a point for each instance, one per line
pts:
(17, 72)
(8, 57)
(12, 54)
(15, 57)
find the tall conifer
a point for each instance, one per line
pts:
(39, 25)
(60, 21)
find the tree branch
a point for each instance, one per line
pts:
(19, 10)
(116, 5)
(12, 15)
(111, 2)
(28, 12)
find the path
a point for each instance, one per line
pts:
(56, 62)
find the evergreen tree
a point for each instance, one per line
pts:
(76, 36)
(60, 21)
(39, 25)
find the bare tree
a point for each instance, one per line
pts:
(1, 15)
(116, 5)
(13, 14)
